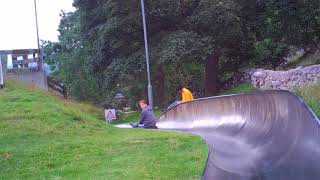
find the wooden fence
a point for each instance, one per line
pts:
(57, 86)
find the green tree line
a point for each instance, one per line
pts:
(196, 43)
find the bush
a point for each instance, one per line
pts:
(270, 53)
(241, 88)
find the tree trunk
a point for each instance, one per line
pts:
(160, 82)
(211, 79)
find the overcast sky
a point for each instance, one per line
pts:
(17, 18)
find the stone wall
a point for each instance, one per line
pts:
(285, 80)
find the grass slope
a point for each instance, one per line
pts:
(311, 94)
(241, 88)
(306, 60)
(44, 137)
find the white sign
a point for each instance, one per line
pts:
(33, 65)
(110, 114)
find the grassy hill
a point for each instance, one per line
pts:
(304, 60)
(311, 95)
(45, 137)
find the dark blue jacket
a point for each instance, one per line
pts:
(147, 118)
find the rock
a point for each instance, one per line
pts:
(269, 79)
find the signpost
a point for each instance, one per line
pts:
(110, 115)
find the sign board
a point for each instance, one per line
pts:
(110, 115)
(33, 65)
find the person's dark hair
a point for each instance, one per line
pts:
(179, 88)
(143, 101)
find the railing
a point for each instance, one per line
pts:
(57, 86)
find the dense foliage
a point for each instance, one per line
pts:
(197, 43)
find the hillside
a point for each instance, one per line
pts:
(45, 137)
(304, 60)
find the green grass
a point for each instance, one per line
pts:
(45, 137)
(131, 117)
(306, 60)
(242, 88)
(127, 117)
(311, 94)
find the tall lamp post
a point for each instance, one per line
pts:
(40, 53)
(150, 97)
(38, 41)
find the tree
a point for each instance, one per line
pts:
(295, 22)
(198, 43)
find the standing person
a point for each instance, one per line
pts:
(186, 94)
(147, 117)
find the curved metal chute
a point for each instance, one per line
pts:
(263, 135)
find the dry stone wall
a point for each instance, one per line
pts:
(284, 80)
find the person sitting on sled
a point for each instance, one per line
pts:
(147, 117)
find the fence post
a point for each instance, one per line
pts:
(57, 86)
(1, 73)
(65, 93)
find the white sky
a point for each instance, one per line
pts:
(17, 19)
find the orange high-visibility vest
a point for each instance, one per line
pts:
(186, 95)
